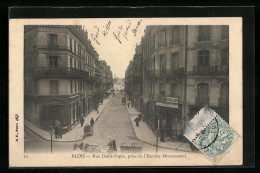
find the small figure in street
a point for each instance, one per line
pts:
(92, 121)
(140, 116)
(82, 121)
(56, 129)
(136, 121)
(128, 104)
(60, 131)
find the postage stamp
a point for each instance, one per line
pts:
(211, 134)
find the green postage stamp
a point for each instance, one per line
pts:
(211, 134)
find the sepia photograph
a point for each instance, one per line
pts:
(127, 89)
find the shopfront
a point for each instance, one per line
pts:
(169, 116)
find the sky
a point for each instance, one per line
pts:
(106, 35)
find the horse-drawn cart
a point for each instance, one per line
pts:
(88, 130)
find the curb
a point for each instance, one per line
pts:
(148, 142)
(78, 140)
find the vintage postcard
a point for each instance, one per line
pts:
(125, 92)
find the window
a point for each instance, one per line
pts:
(174, 90)
(203, 94)
(79, 50)
(175, 35)
(162, 90)
(225, 34)
(162, 64)
(162, 38)
(79, 66)
(71, 86)
(204, 33)
(71, 62)
(75, 46)
(203, 58)
(70, 43)
(53, 40)
(75, 63)
(78, 86)
(224, 57)
(53, 86)
(35, 87)
(53, 61)
(224, 95)
(175, 61)
(75, 86)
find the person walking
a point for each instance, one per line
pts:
(82, 121)
(60, 131)
(92, 121)
(128, 104)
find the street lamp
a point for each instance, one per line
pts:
(51, 131)
(157, 133)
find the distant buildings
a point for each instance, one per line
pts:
(184, 68)
(62, 75)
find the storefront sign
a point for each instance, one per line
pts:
(167, 105)
(172, 100)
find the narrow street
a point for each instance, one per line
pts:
(113, 123)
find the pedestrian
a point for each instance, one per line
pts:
(82, 121)
(92, 121)
(128, 104)
(137, 122)
(60, 131)
(56, 129)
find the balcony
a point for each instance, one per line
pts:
(201, 102)
(57, 71)
(211, 70)
(169, 72)
(223, 102)
(174, 42)
(161, 44)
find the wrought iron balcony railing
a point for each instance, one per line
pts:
(57, 71)
(202, 101)
(162, 44)
(174, 41)
(211, 70)
(164, 73)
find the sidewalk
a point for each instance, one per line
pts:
(145, 134)
(76, 133)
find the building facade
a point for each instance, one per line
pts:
(134, 79)
(61, 70)
(184, 69)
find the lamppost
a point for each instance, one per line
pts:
(51, 131)
(157, 133)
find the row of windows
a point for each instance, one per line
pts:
(31, 86)
(203, 59)
(80, 85)
(204, 34)
(202, 92)
(78, 50)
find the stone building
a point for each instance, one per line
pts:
(60, 78)
(107, 77)
(184, 69)
(134, 82)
